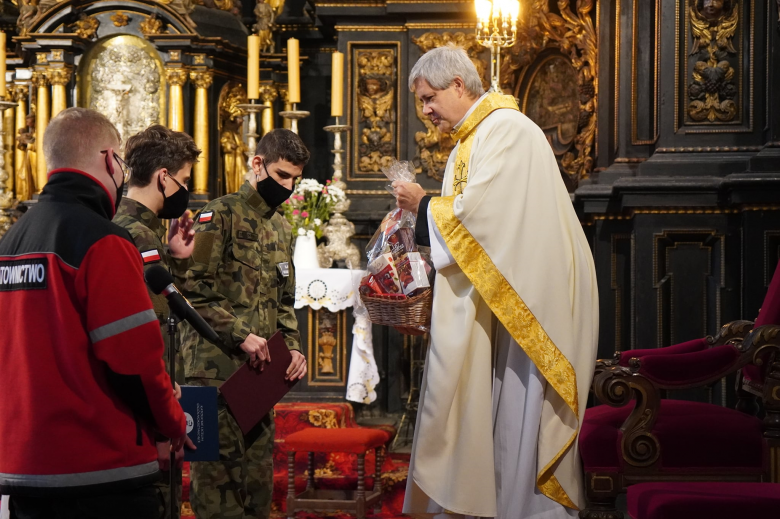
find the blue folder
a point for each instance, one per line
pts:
(200, 409)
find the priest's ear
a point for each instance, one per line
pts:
(460, 86)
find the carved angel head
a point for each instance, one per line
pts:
(714, 10)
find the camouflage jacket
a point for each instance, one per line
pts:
(148, 234)
(242, 281)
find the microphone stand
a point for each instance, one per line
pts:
(172, 483)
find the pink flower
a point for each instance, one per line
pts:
(287, 201)
(295, 212)
(325, 191)
(327, 182)
(299, 198)
(305, 214)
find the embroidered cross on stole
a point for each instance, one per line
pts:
(465, 135)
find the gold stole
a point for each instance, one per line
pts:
(465, 134)
(505, 303)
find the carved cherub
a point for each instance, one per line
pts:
(375, 99)
(713, 20)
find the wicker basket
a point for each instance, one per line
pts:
(412, 312)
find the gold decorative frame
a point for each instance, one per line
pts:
(573, 33)
(682, 61)
(353, 109)
(84, 72)
(339, 378)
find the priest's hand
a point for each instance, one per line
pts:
(297, 367)
(181, 236)
(408, 195)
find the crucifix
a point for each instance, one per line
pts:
(461, 177)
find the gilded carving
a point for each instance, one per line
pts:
(377, 110)
(120, 19)
(152, 25)
(713, 90)
(28, 10)
(182, 8)
(86, 26)
(433, 148)
(268, 93)
(25, 141)
(573, 33)
(326, 343)
(202, 78)
(126, 88)
(60, 76)
(234, 151)
(176, 76)
(265, 15)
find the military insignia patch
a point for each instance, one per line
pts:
(205, 217)
(284, 268)
(150, 256)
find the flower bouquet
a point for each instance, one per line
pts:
(311, 206)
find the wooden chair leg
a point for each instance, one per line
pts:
(379, 452)
(291, 485)
(310, 481)
(360, 497)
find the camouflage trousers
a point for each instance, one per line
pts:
(164, 489)
(240, 484)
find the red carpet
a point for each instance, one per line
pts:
(332, 471)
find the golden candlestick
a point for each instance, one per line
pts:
(6, 198)
(293, 116)
(40, 80)
(252, 108)
(496, 29)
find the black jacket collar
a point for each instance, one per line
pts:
(74, 186)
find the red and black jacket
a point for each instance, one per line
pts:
(84, 387)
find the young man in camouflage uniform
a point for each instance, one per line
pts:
(242, 282)
(161, 163)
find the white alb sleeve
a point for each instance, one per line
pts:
(440, 253)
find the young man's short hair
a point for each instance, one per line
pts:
(282, 144)
(155, 148)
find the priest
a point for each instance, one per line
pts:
(515, 312)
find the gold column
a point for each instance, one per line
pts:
(21, 94)
(202, 80)
(285, 95)
(268, 94)
(176, 79)
(59, 78)
(8, 138)
(41, 81)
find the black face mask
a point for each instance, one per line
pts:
(272, 191)
(120, 189)
(174, 205)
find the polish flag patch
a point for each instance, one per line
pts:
(205, 217)
(150, 256)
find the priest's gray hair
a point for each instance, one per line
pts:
(440, 66)
(74, 135)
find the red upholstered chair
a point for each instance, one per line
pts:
(351, 440)
(710, 500)
(657, 439)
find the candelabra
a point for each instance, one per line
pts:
(252, 108)
(339, 230)
(293, 116)
(6, 199)
(496, 29)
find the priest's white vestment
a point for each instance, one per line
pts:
(514, 330)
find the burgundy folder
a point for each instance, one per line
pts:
(251, 394)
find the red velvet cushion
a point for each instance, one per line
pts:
(355, 440)
(710, 500)
(689, 368)
(683, 347)
(691, 434)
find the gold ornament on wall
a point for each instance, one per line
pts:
(713, 90)
(326, 343)
(433, 147)
(86, 26)
(120, 19)
(233, 149)
(152, 25)
(376, 97)
(572, 33)
(28, 11)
